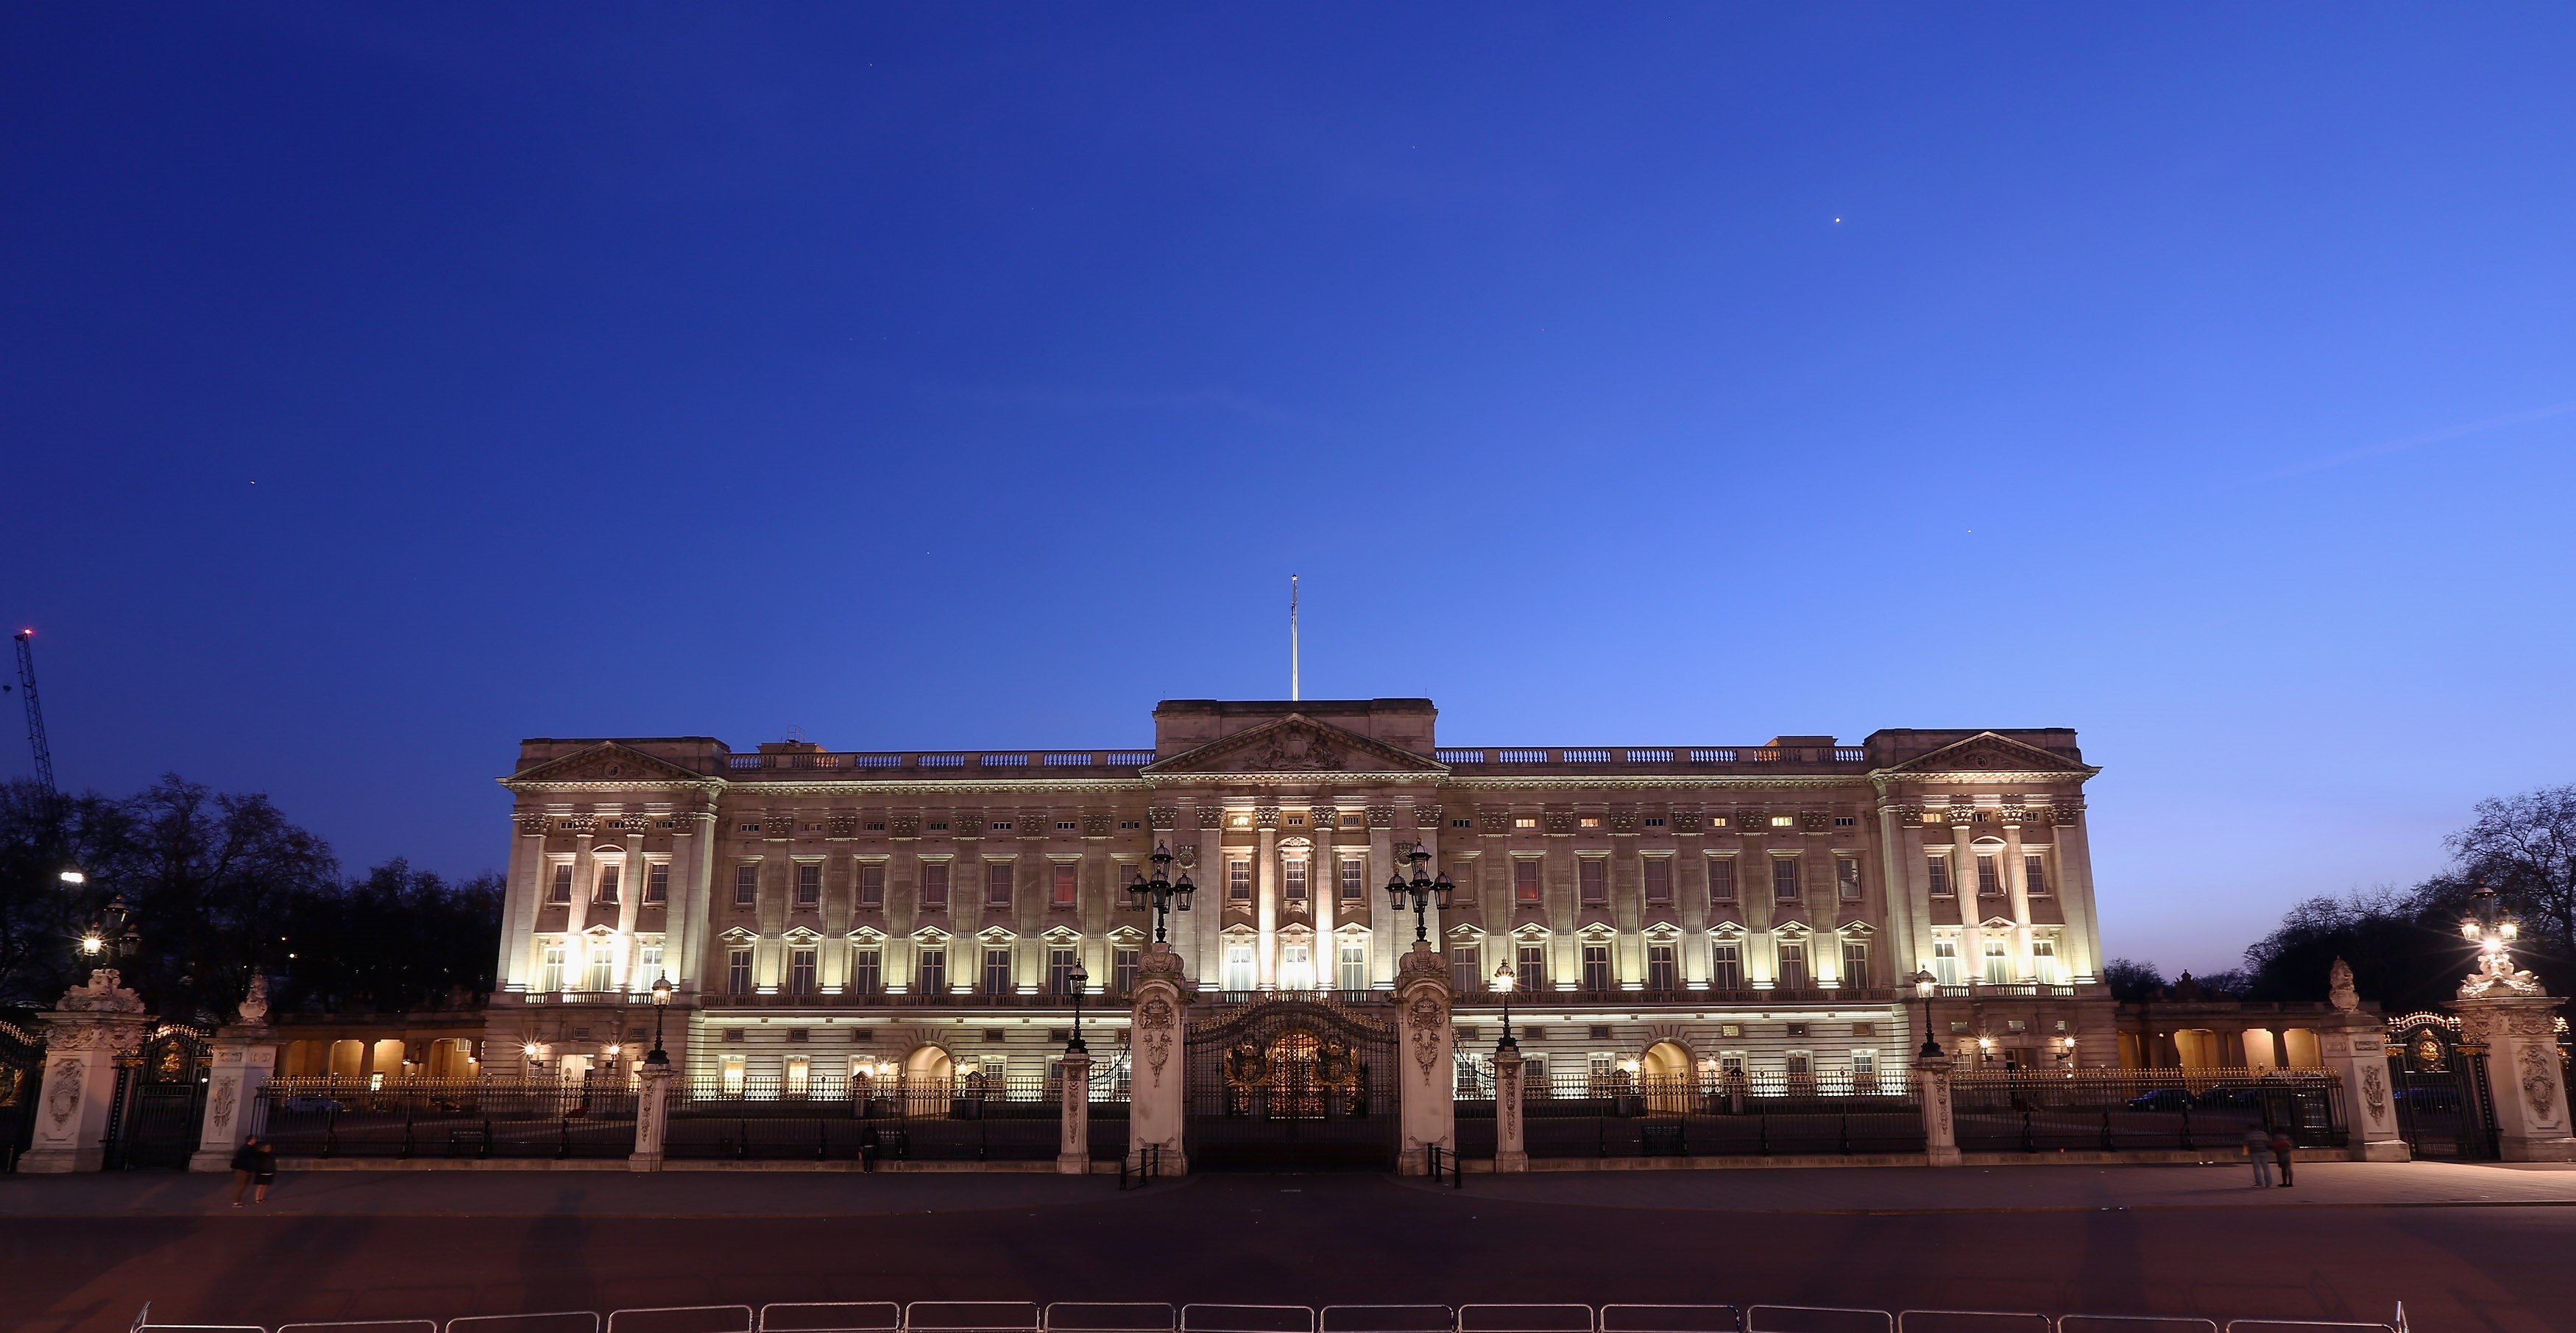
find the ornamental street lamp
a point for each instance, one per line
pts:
(1504, 980)
(1422, 889)
(1924, 984)
(2493, 930)
(1160, 892)
(1080, 979)
(657, 1057)
(111, 933)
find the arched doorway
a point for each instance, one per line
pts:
(927, 1066)
(1664, 1076)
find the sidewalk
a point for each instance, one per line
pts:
(1822, 1191)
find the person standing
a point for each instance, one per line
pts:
(2281, 1154)
(254, 1168)
(2258, 1150)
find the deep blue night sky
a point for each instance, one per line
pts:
(381, 384)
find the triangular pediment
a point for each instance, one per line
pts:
(1989, 752)
(607, 762)
(1294, 744)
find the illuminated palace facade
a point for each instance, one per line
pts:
(1763, 907)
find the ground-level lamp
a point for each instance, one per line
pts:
(1422, 890)
(1080, 979)
(1504, 980)
(657, 1057)
(1160, 893)
(1924, 984)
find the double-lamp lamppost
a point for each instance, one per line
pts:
(1161, 892)
(1422, 890)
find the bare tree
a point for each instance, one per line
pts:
(2524, 847)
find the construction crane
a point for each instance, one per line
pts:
(36, 717)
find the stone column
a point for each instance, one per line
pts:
(2523, 1076)
(244, 1054)
(1265, 899)
(86, 1033)
(1511, 1146)
(652, 1116)
(1073, 1147)
(1323, 887)
(1156, 1080)
(1426, 1061)
(2354, 1046)
(2017, 890)
(2075, 886)
(1940, 1135)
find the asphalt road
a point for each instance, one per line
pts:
(2464, 1247)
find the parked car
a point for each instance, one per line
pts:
(310, 1104)
(2232, 1094)
(2162, 1099)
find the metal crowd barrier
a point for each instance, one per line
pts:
(1158, 1317)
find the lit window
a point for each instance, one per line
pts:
(800, 971)
(1784, 821)
(1238, 883)
(1354, 881)
(738, 970)
(1990, 879)
(1060, 889)
(1661, 973)
(1793, 965)
(1998, 963)
(603, 964)
(1465, 970)
(1937, 870)
(1596, 967)
(1945, 962)
(866, 971)
(1855, 965)
(933, 969)
(1238, 967)
(1122, 969)
(1292, 876)
(1847, 877)
(1589, 821)
(607, 886)
(997, 971)
(562, 890)
(2034, 869)
(1059, 971)
(1524, 821)
(2043, 960)
(1525, 886)
(552, 977)
(1530, 961)
(1726, 966)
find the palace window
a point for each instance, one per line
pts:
(1067, 825)
(1354, 966)
(657, 883)
(997, 971)
(1238, 967)
(2043, 960)
(1659, 879)
(1990, 879)
(799, 1076)
(1725, 966)
(1864, 1070)
(1945, 962)
(1060, 883)
(561, 893)
(1846, 821)
(1793, 965)
(997, 884)
(1238, 884)
(1937, 870)
(603, 963)
(1122, 969)
(872, 884)
(746, 885)
(934, 886)
(1292, 878)
(1661, 974)
(2034, 870)
(1525, 881)
(867, 971)
(1593, 874)
(1721, 879)
(1998, 963)
(1059, 971)
(729, 1072)
(932, 971)
(648, 965)
(1784, 878)
(1589, 821)
(809, 883)
(1530, 961)
(1466, 970)
(1524, 821)
(800, 971)
(1296, 967)
(607, 895)
(1855, 964)
(1847, 877)
(1354, 880)
(738, 970)
(551, 978)
(1596, 967)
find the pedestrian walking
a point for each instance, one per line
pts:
(254, 1169)
(2258, 1150)
(2281, 1154)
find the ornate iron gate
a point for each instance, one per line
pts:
(1299, 1084)
(2439, 1090)
(160, 1103)
(22, 1063)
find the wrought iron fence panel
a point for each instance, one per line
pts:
(1592, 1115)
(754, 1120)
(503, 1117)
(1107, 1126)
(2117, 1110)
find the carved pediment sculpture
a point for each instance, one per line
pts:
(1989, 752)
(1295, 744)
(607, 762)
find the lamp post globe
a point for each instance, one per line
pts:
(657, 1057)
(1504, 980)
(1924, 985)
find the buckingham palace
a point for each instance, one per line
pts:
(1761, 908)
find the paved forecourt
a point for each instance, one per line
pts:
(2463, 1246)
